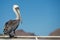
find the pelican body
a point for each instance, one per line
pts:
(12, 25)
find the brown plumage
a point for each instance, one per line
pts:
(11, 25)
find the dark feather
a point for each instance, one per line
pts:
(11, 25)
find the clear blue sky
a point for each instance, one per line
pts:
(39, 16)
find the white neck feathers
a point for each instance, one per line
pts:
(17, 12)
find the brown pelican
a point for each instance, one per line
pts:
(12, 25)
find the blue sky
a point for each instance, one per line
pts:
(38, 16)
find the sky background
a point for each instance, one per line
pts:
(38, 16)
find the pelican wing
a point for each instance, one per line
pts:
(11, 25)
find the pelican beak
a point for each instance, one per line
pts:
(17, 10)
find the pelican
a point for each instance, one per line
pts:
(12, 25)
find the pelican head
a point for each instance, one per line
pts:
(15, 6)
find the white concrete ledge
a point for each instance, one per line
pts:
(30, 38)
(34, 36)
